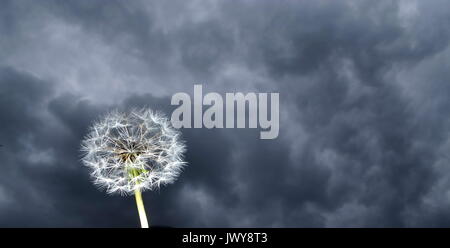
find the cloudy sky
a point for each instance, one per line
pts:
(364, 110)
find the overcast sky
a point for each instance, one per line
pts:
(364, 110)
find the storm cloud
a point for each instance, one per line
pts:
(364, 110)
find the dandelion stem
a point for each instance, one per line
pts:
(141, 209)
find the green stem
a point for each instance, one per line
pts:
(141, 209)
(140, 204)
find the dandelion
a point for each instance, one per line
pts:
(129, 153)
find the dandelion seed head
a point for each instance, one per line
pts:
(138, 150)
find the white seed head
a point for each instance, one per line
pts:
(138, 150)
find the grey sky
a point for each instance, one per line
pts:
(364, 110)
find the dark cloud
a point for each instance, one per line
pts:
(364, 103)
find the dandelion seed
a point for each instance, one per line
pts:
(129, 153)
